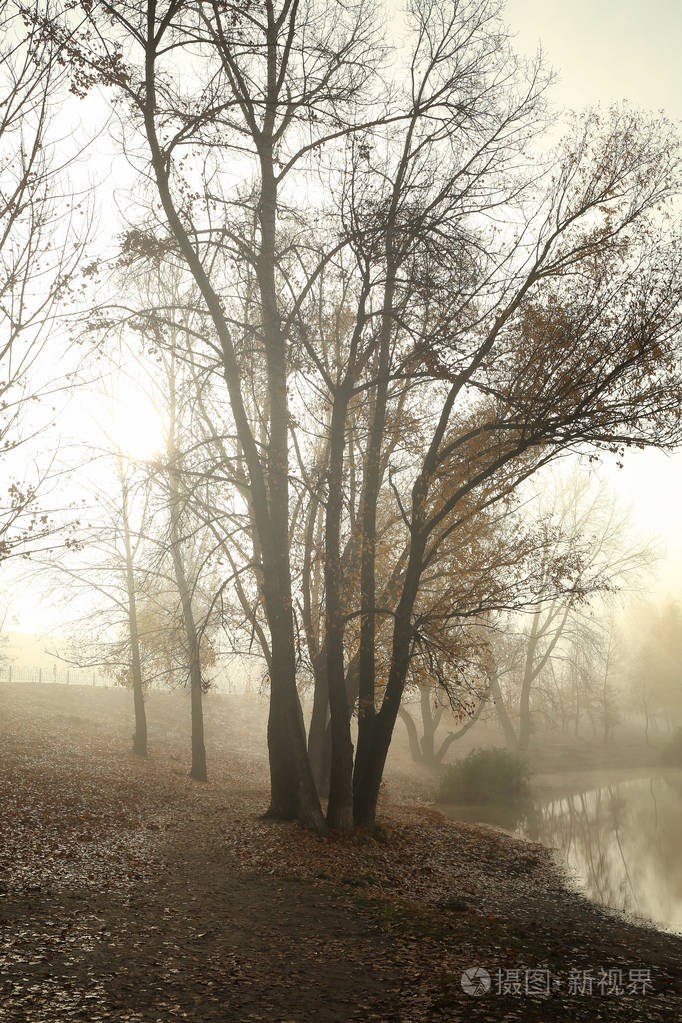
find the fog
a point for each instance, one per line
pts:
(341, 434)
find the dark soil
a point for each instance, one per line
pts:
(129, 892)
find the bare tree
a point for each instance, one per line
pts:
(42, 237)
(533, 308)
(104, 573)
(579, 516)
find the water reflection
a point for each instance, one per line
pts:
(622, 842)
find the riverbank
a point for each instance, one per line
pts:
(129, 892)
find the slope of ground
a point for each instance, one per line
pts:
(129, 892)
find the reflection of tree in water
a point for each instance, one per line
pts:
(623, 841)
(583, 827)
(674, 781)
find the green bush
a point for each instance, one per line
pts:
(671, 755)
(484, 776)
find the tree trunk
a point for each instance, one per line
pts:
(646, 722)
(529, 674)
(500, 707)
(429, 726)
(534, 665)
(340, 809)
(292, 789)
(370, 761)
(447, 742)
(140, 735)
(375, 738)
(412, 736)
(319, 735)
(198, 769)
(293, 792)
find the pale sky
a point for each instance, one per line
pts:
(603, 51)
(607, 50)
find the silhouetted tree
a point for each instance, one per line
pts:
(302, 146)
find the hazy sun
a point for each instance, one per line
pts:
(137, 430)
(130, 421)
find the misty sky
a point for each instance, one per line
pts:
(607, 50)
(603, 51)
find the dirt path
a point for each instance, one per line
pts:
(264, 951)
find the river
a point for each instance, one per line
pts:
(619, 838)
